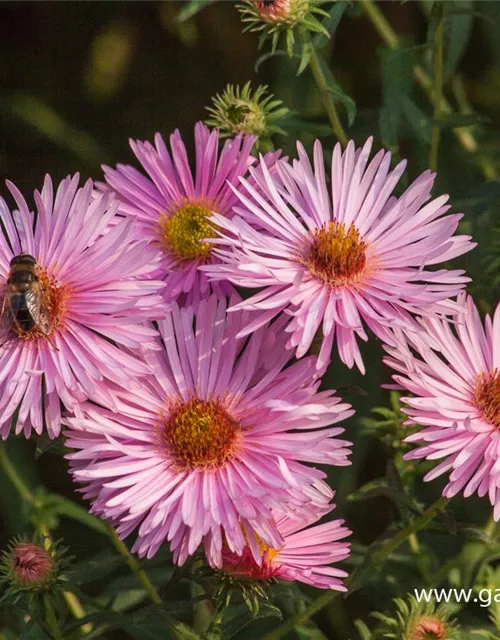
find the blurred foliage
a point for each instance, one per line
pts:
(78, 79)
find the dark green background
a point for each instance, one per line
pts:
(77, 79)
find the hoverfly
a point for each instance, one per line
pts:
(24, 305)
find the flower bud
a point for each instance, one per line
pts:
(28, 566)
(241, 110)
(280, 10)
(418, 621)
(31, 566)
(428, 627)
(274, 17)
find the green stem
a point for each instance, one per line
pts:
(414, 544)
(14, 477)
(378, 557)
(490, 527)
(52, 620)
(182, 630)
(438, 88)
(74, 605)
(134, 565)
(389, 36)
(331, 110)
(412, 528)
(381, 24)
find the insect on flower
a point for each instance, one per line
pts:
(25, 307)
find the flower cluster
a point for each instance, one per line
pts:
(195, 417)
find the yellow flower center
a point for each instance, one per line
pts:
(336, 255)
(271, 553)
(183, 232)
(487, 397)
(200, 434)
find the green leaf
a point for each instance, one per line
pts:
(158, 576)
(418, 121)
(64, 507)
(331, 23)
(268, 56)
(96, 568)
(298, 126)
(100, 620)
(338, 93)
(458, 28)
(45, 445)
(33, 631)
(243, 617)
(191, 8)
(305, 57)
(397, 70)
(397, 490)
(374, 488)
(363, 631)
(148, 631)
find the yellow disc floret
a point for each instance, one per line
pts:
(335, 254)
(200, 434)
(182, 233)
(487, 397)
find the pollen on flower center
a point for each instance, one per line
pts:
(200, 433)
(182, 233)
(336, 255)
(487, 397)
(52, 301)
(266, 550)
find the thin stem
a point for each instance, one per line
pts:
(420, 522)
(377, 558)
(438, 88)
(77, 610)
(14, 477)
(182, 630)
(389, 36)
(490, 527)
(52, 620)
(74, 605)
(414, 544)
(134, 565)
(381, 24)
(326, 95)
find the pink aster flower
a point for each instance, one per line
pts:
(93, 286)
(453, 372)
(306, 555)
(173, 204)
(213, 441)
(343, 260)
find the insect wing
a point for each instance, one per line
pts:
(10, 307)
(37, 310)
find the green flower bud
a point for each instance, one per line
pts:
(419, 621)
(241, 110)
(275, 17)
